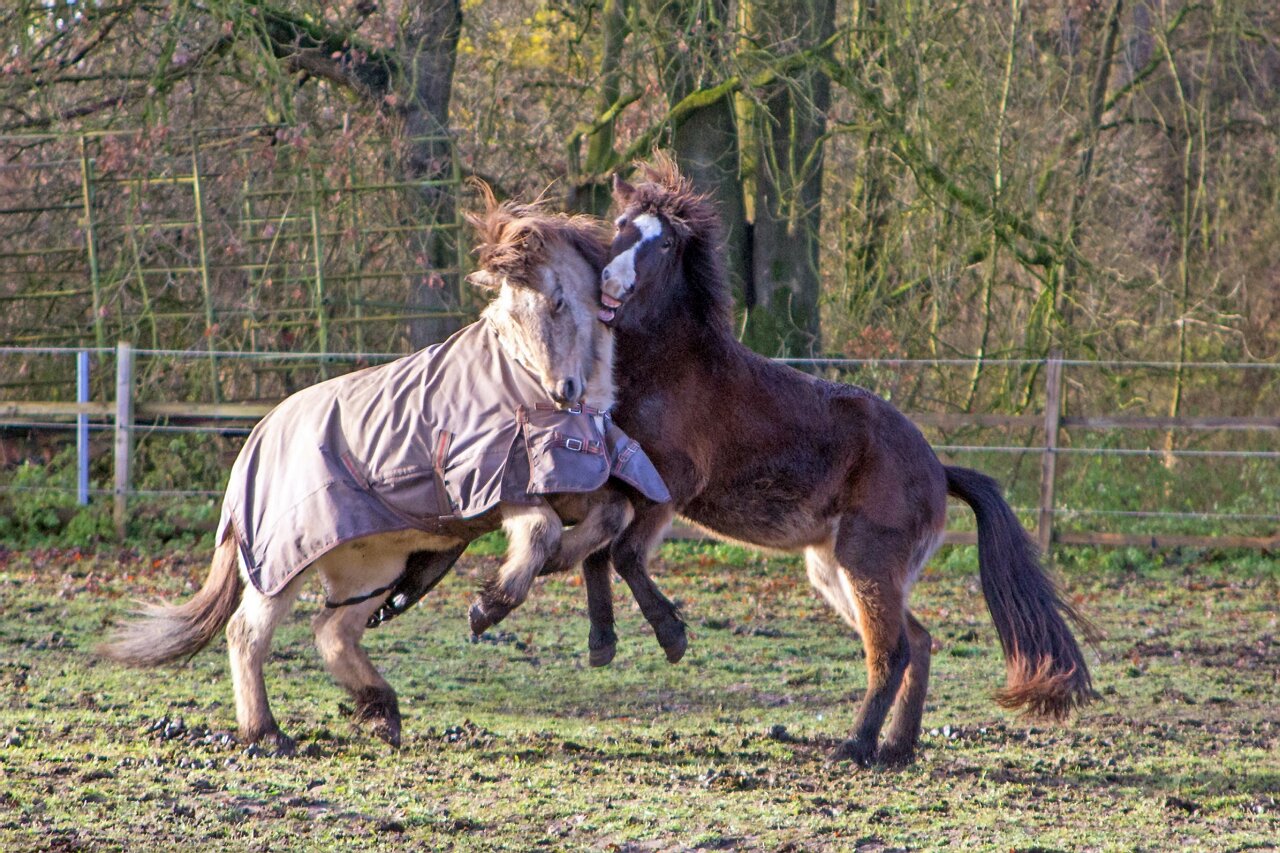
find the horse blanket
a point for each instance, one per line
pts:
(441, 435)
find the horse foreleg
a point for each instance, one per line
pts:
(533, 538)
(350, 573)
(249, 634)
(603, 640)
(630, 554)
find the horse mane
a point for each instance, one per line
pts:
(513, 239)
(696, 219)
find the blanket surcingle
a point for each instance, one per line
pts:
(437, 436)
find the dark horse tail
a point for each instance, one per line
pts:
(163, 633)
(1047, 674)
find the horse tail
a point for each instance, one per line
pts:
(1046, 673)
(163, 633)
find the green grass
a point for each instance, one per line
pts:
(514, 743)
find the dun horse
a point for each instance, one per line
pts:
(756, 452)
(376, 481)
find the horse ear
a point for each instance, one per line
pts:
(623, 192)
(484, 280)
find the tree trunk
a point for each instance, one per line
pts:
(788, 130)
(427, 49)
(705, 139)
(591, 190)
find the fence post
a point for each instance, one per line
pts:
(124, 433)
(82, 429)
(1049, 460)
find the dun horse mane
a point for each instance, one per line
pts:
(696, 220)
(514, 239)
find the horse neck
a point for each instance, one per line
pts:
(675, 347)
(506, 329)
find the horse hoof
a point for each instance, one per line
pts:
(859, 752)
(387, 731)
(276, 744)
(895, 755)
(674, 642)
(603, 656)
(480, 621)
(378, 711)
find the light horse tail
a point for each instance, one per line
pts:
(163, 633)
(1046, 673)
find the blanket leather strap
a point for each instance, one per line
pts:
(359, 598)
(576, 410)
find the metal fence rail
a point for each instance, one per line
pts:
(134, 411)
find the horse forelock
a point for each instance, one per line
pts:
(695, 221)
(513, 240)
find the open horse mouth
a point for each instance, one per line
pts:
(609, 307)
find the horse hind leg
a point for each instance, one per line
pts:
(864, 576)
(533, 538)
(899, 747)
(338, 630)
(249, 633)
(908, 708)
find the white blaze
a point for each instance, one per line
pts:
(620, 274)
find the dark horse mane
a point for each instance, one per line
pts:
(696, 220)
(513, 239)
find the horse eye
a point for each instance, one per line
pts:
(667, 244)
(559, 301)
(621, 223)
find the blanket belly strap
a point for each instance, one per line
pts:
(346, 602)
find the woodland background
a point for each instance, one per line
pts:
(948, 179)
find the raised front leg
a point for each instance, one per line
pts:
(533, 538)
(630, 555)
(608, 514)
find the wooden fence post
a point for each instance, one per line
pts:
(1049, 460)
(124, 433)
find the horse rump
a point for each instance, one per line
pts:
(163, 633)
(1046, 672)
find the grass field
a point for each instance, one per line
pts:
(514, 743)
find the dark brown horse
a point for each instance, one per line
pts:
(756, 452)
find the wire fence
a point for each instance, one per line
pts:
(1079, 477)
(268, 239)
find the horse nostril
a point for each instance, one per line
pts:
(606, 275)
(567, 391)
